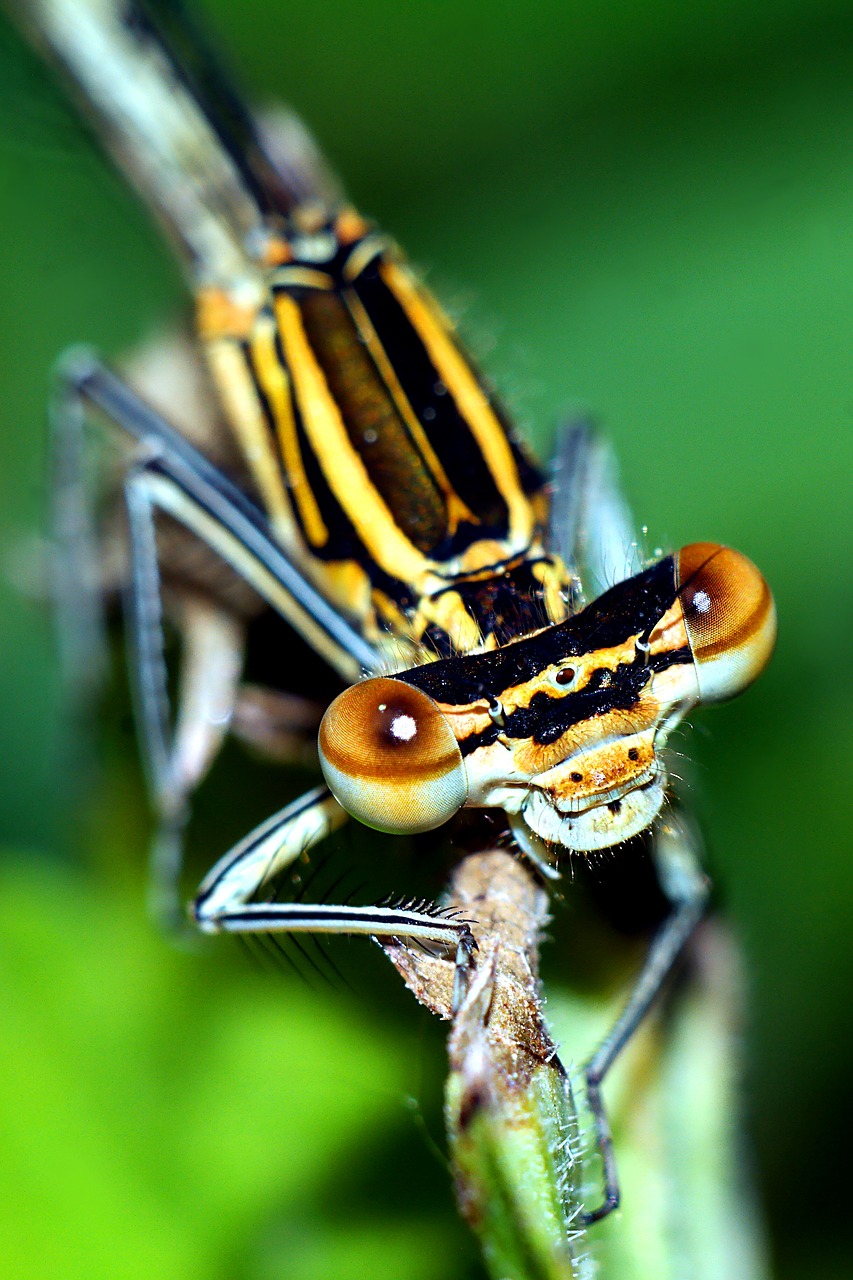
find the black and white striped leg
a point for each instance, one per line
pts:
(176, 758)
(223, 903)
(675, 852)
(171, 476)
(212, 646)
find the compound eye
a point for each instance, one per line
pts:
(730, 618)
(390, 758)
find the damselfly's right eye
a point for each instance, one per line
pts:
(390, 757)
(730, 618)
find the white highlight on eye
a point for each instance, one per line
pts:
(404, 728)
(701, 602)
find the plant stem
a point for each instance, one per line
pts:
(523, 1160)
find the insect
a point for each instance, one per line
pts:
(381, 504)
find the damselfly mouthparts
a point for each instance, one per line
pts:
(380, 504)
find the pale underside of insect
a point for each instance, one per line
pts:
(356, 475)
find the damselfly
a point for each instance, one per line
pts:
(377, 499)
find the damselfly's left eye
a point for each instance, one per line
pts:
(390, 758)
(730, 618)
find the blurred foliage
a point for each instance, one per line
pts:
(642, 209)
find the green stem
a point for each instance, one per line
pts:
(521, 1165)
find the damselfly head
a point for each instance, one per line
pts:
(585, 708)
(707, 643)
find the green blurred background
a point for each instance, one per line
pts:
(640, 209)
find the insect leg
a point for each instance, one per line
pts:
(211, 652)
(674, 851)
(264, 853)
(591, 524)
(223, 904)
(156, 483)
(204, 499)
(190, 488)
(175, 760)
(534, 849)
(77, 576)
(175, 478)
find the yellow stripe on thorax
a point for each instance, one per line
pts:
(246, 416)
(302, 277)
(457, 510)
(275, 383)
(448, 611)
(469, 397)
(345, 472)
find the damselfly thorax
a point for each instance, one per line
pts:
(386, 466)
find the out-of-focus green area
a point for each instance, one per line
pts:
(645, 210)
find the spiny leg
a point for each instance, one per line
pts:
(224, 900)
(175, 760)
(212, 642)
(264, 853)
(674, 850)
(174, 477)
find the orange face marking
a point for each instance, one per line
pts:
(602, 770)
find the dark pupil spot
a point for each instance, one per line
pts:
(577, 777)
(388, 726)
(633, 754)
(615, 806)
(566, 676)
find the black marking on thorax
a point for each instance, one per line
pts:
(449, 433)
(505, 604)
(379, 433)
(375, 427)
